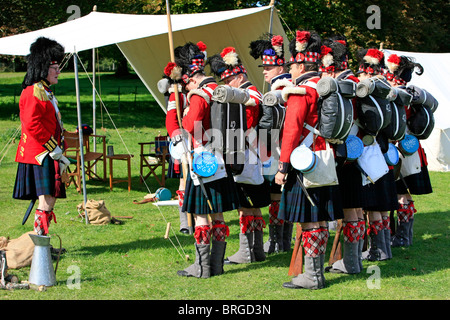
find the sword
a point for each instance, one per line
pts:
(27, 213)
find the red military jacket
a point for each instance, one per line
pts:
(252, 105)
(199, 101)
(41, 130)
(301, 107)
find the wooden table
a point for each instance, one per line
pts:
(124, 157)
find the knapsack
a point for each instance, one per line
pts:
(335, 109)
(373, 105)
(272, 117)
(421, 121)
(396, 130)
(422, 96)
(228, 118)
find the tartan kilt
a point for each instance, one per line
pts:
(352, 190)
(258, 194)
(418, 183)
(34, 180)
(384, 193)
(295, 206)
(222, 194)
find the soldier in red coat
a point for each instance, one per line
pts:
(40, 148)
(252, 188)
(271, 52)
(383, 191)
(294, 205)
(334, 63)
(212, 195)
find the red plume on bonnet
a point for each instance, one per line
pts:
(230, 56)
(326, 56)
(277, 41)
(393, 62)
(373, 56)
(201, 46)
(172, 71)
(302, 38)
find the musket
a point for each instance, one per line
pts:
(27, 213)
(296, 266)
(336, 252)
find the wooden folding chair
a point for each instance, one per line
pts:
(157, 151)
(91, 158)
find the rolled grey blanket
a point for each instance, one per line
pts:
(272, 98)
(229, 94)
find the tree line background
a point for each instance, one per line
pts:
(412, 25)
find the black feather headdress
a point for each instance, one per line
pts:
(226, 63)
(43, 53)
(333, 56)
(190, 58)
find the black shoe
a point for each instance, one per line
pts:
(290, 285)
(226, 261)
(185, 231)
(183, 273)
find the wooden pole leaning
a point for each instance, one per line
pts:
(184, 160)
(296, 266)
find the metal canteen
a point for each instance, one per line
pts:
(391, 155)
(303, 159)
(205, 164)
(408, 145)
(42, 272)
(355, 147)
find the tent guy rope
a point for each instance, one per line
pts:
(128, 151)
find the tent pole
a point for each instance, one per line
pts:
(272, 7)
(94, 107)
(94, 128)
(80, 130)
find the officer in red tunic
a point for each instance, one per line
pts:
(271, 52)
(294, 205)
(40, 149)
(253, 188)
(212, 195)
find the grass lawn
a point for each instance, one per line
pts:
(133, 261)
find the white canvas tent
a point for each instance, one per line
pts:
(144, 42)
(434, 80)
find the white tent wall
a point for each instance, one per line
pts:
(434, 80)
(148, 56)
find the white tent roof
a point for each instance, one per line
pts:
(434, 80)
(144, 42)
(99, 29)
